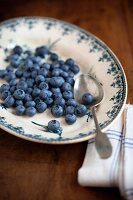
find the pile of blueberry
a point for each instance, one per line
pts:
(39, 80)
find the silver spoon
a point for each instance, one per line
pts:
(86, 83)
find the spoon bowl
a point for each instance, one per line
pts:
(86, 83)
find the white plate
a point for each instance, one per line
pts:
(91, 54)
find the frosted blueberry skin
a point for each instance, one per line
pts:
(5, 94)
(30, 104)
(17, 50)
(60, 101)
(30, 111)
(42, 51)
(22, 85)
(43, 85)
(66, 87)
(4, 87)
(87, 98)
(18, 103)
(3, 72)
(19, 94)
(75, 69)
(9, 101)
(70, 119)
(20, 109)
(54, 57)
(41, 106)
(69, 110)
(69, 62)
(53, 125)
(81, 110)
(71, 102)
(57, 111)
(67, 95)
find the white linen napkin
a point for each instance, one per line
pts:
(118, 169)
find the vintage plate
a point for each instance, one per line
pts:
(90, 53)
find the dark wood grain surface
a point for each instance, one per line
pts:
(30, 171)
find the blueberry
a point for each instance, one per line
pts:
(61, 62)
(57, 81)
(26, 74)
(35, 59)
(14, 60)
(20, 109)
(64, 74)
(34, 74)
(69, 110)
(70, 74)
(55, 72)
(67, 95)
(53, 125)
(18, 102)
(54, 57)
(29, 90)
(28, 53)
(9, 101)
(28, 97)
(22, 85)
(41, 106)
(57, 95)
(65, 67)
(4, 87)
(66, 86)
(37, 100)
(30, 82)
(19, 94)
(70, 80)
(39, 79)
(17, 50)
(55, 90)
(48, 101)
(46, 66)
(18, 73)
(10, 76)
(87, 98)
(42, 51)
(75, 69)
(13, 82)
(9, 68)
(43, 72)
(30, 104)
(71, 102)
(57, 111)
(59, 101)
(47, 80)
(28, 64)
(70, 119)
(43, 85)
(81, 110)
(44, 94)
(12, 89)
(69, 62)
(5, 94)
(30, 111)
(55, 65)
(36, 67)
(3, 73)
(36, 92)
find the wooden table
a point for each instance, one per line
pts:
(30, 171)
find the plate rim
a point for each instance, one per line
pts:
(107, 48)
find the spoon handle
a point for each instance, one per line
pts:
(102, 143)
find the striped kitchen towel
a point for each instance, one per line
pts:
(118, 169)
